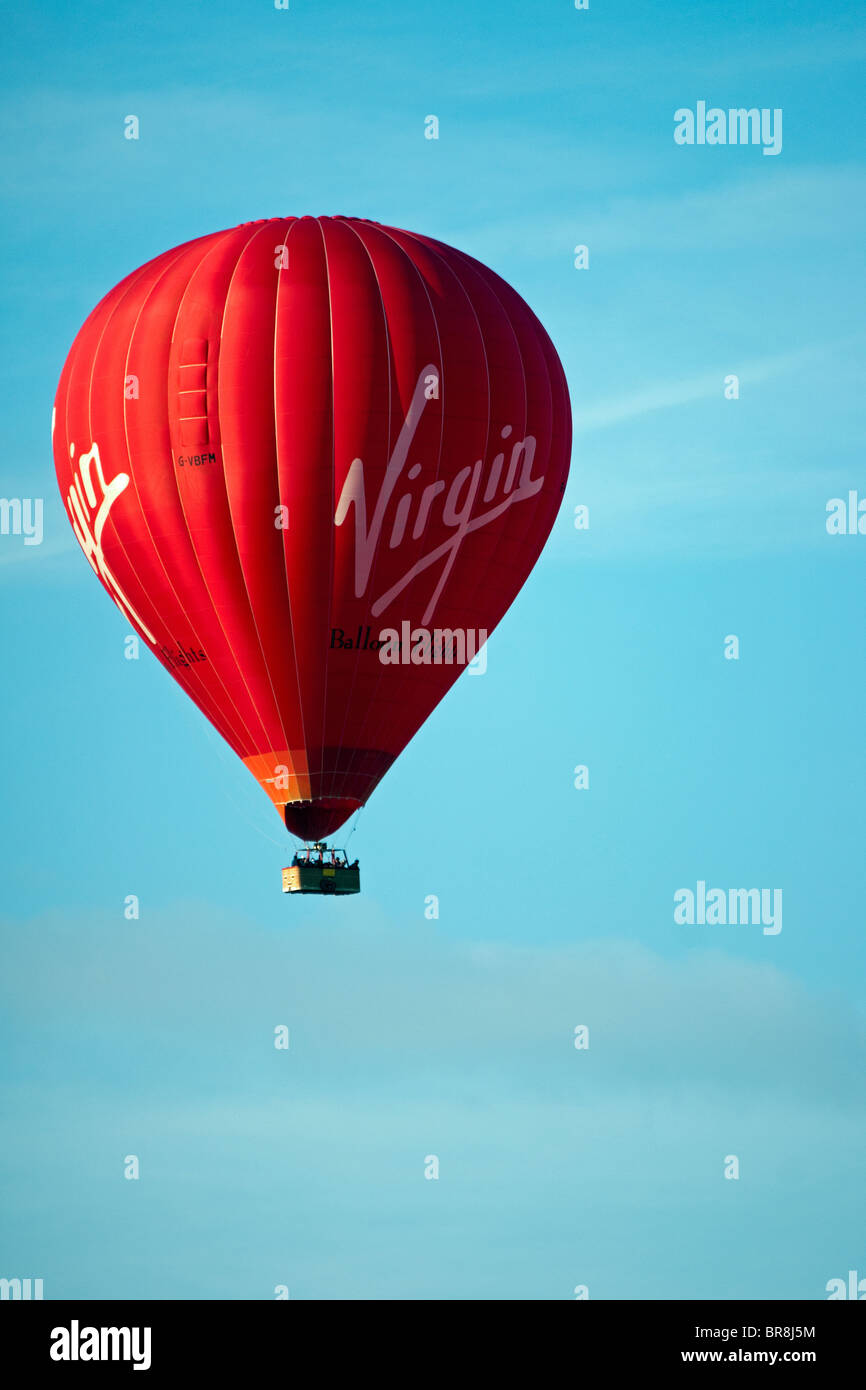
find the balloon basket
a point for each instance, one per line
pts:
(322, 870)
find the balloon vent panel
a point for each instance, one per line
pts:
(193, 394)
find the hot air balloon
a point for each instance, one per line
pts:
(313, 460)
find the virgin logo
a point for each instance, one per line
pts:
(88, 502)
(457, 508)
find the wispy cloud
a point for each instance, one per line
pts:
(797, 206)
(670, 394)
(398, 1000)
(14, 553)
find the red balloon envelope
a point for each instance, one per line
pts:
(283, 443)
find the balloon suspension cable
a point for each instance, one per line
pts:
(352, 831)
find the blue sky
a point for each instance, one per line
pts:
(454, 1036)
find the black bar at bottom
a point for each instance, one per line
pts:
(216, 1339)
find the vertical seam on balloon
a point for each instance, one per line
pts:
(479, 269)
(536, 329)
(186, 681)
(332, 511)
(388, 233)
(89, 370)
(180, 604)
(345, 771)
(292, 223)
(468, 297)
(349, 224)
(416, 270)
(276, 475)
(214, 247)
(433, 249)
(246, 244)
(229, 646)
